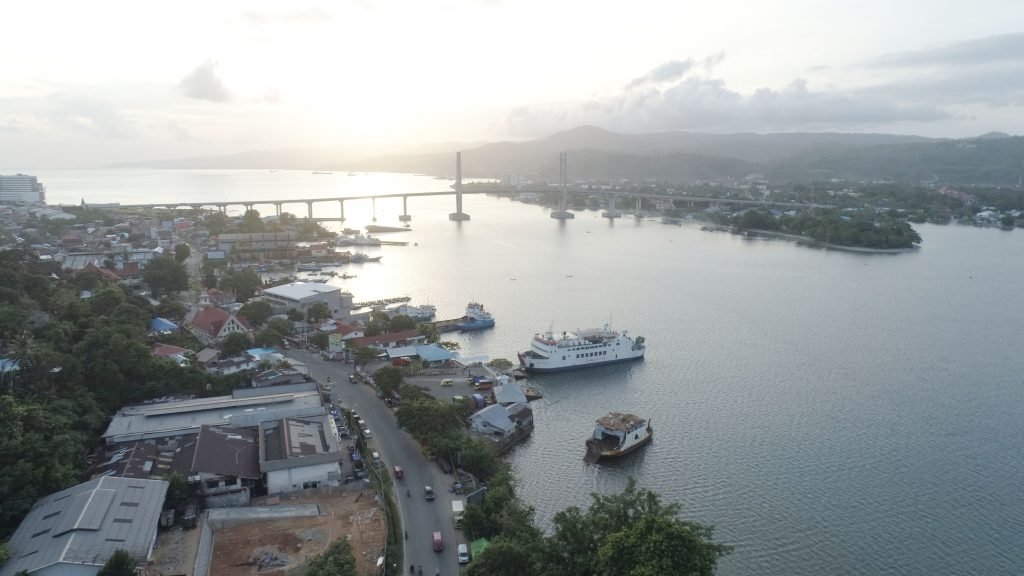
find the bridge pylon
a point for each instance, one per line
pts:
(458, 215)
(563, 193)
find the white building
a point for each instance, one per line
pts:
(299, 452)
(21, 188)
(303, 295)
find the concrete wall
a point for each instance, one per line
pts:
(292, 479)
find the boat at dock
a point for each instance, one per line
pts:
(308, 267)
(359, 258)
(551, 352)
(618, 434)
(476, 318)
(418, 313)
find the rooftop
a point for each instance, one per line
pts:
(87, 523)
(300, 290)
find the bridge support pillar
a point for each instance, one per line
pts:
(563, 192)
(612, 212)
(639, 206)
(341, 209)
(248, 207)
(309, 210)
(277, 207)
(405, 211)
(458, 215)
(373, 209)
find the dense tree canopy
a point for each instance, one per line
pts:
(182, 252)
(243, 283)
(388, 379)
(165, 275)
(318, 312)
(235, 343)
(256, 312)
(121, 563)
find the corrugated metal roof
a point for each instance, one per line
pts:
(87, 523)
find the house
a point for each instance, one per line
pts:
(347, 331)
(494, 419)
(231, 365)
(508, 392)
(225, 464)
(210, 325)
(218, 298)
(433, 354)
(173, 353)
(393, 340)
(277, 378)
(299, 452)
(75, 531)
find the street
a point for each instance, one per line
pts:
(419, 517)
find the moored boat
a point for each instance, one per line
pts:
(359, 258)
(476, 318)
(420, 313)
(551, 352)
(308, 267)
(618, 434)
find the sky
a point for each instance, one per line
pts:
(91, 83)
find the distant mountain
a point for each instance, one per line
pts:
(596, 153)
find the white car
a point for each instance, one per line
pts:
(463, 554)
(367, 433)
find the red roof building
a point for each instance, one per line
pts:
(211, 325)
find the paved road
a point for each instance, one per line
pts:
(420, 518)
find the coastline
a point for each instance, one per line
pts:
(807, 241)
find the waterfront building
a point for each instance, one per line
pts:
(21, 189)
(259, 246)
(302, 295)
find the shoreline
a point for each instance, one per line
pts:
(811, 242)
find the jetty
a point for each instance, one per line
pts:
(377, 229)
(381, 302)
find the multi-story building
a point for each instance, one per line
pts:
(259, 246)
(303, 295)
(21, 189)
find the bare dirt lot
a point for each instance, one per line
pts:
(282, 546)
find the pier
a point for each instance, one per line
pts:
(381, 302)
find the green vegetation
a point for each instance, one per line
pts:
(69, 374)
(337, 560)
(256, 312)
(243, 283)
(501, 364)
(318, 312)
(234, 344)
(165, 275)
(182, 252)
(121, 563)
(832, 228)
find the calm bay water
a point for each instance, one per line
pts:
(829, 413)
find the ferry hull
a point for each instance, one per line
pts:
(533, 368)
(599, 454)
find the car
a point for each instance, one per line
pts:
(447, 382)
(399, 473)
(463, 554)
(428, 492)
(438, 543)
(367, 433)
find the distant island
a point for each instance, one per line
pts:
(829, 228)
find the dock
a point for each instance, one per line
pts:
(381, 302)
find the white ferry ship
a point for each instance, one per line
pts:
(618, 434)
(581, 349)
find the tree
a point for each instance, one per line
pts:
(170, 308)
(244, 284)
(295, 316)
(317, 312)
(449, 345)
(505, 557)
(630, 533)
(320, 339)
(337, 560)
(235, 343)
(251, 222)
(500, 364)
(428, 417)
(177, 491)
(121, 563)
(388, 379)
(402, 322)
(364, 354)
(182, 252)
(429, 331)
(256, 312)
(216, 223)
(165, 275)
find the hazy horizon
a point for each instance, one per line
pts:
(128, 82)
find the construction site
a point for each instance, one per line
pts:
(276, 535)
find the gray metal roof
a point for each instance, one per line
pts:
(186, 417)
(87, 523)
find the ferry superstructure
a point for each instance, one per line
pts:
(551, 352)
(618, 434)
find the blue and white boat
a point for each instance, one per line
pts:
(552, 352)
(476, 318)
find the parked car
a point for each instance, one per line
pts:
(463, 554)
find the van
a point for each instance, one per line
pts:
(447, 382)
(438, 544)
(375, 458)
(189, 518)
(463, 554)
(399, 473)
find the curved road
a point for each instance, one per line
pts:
(419, 517)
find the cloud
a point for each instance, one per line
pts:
(11, 127)
(684, 95)
(87, 115)
(310, 16)
(988, 50)
(204, 84)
